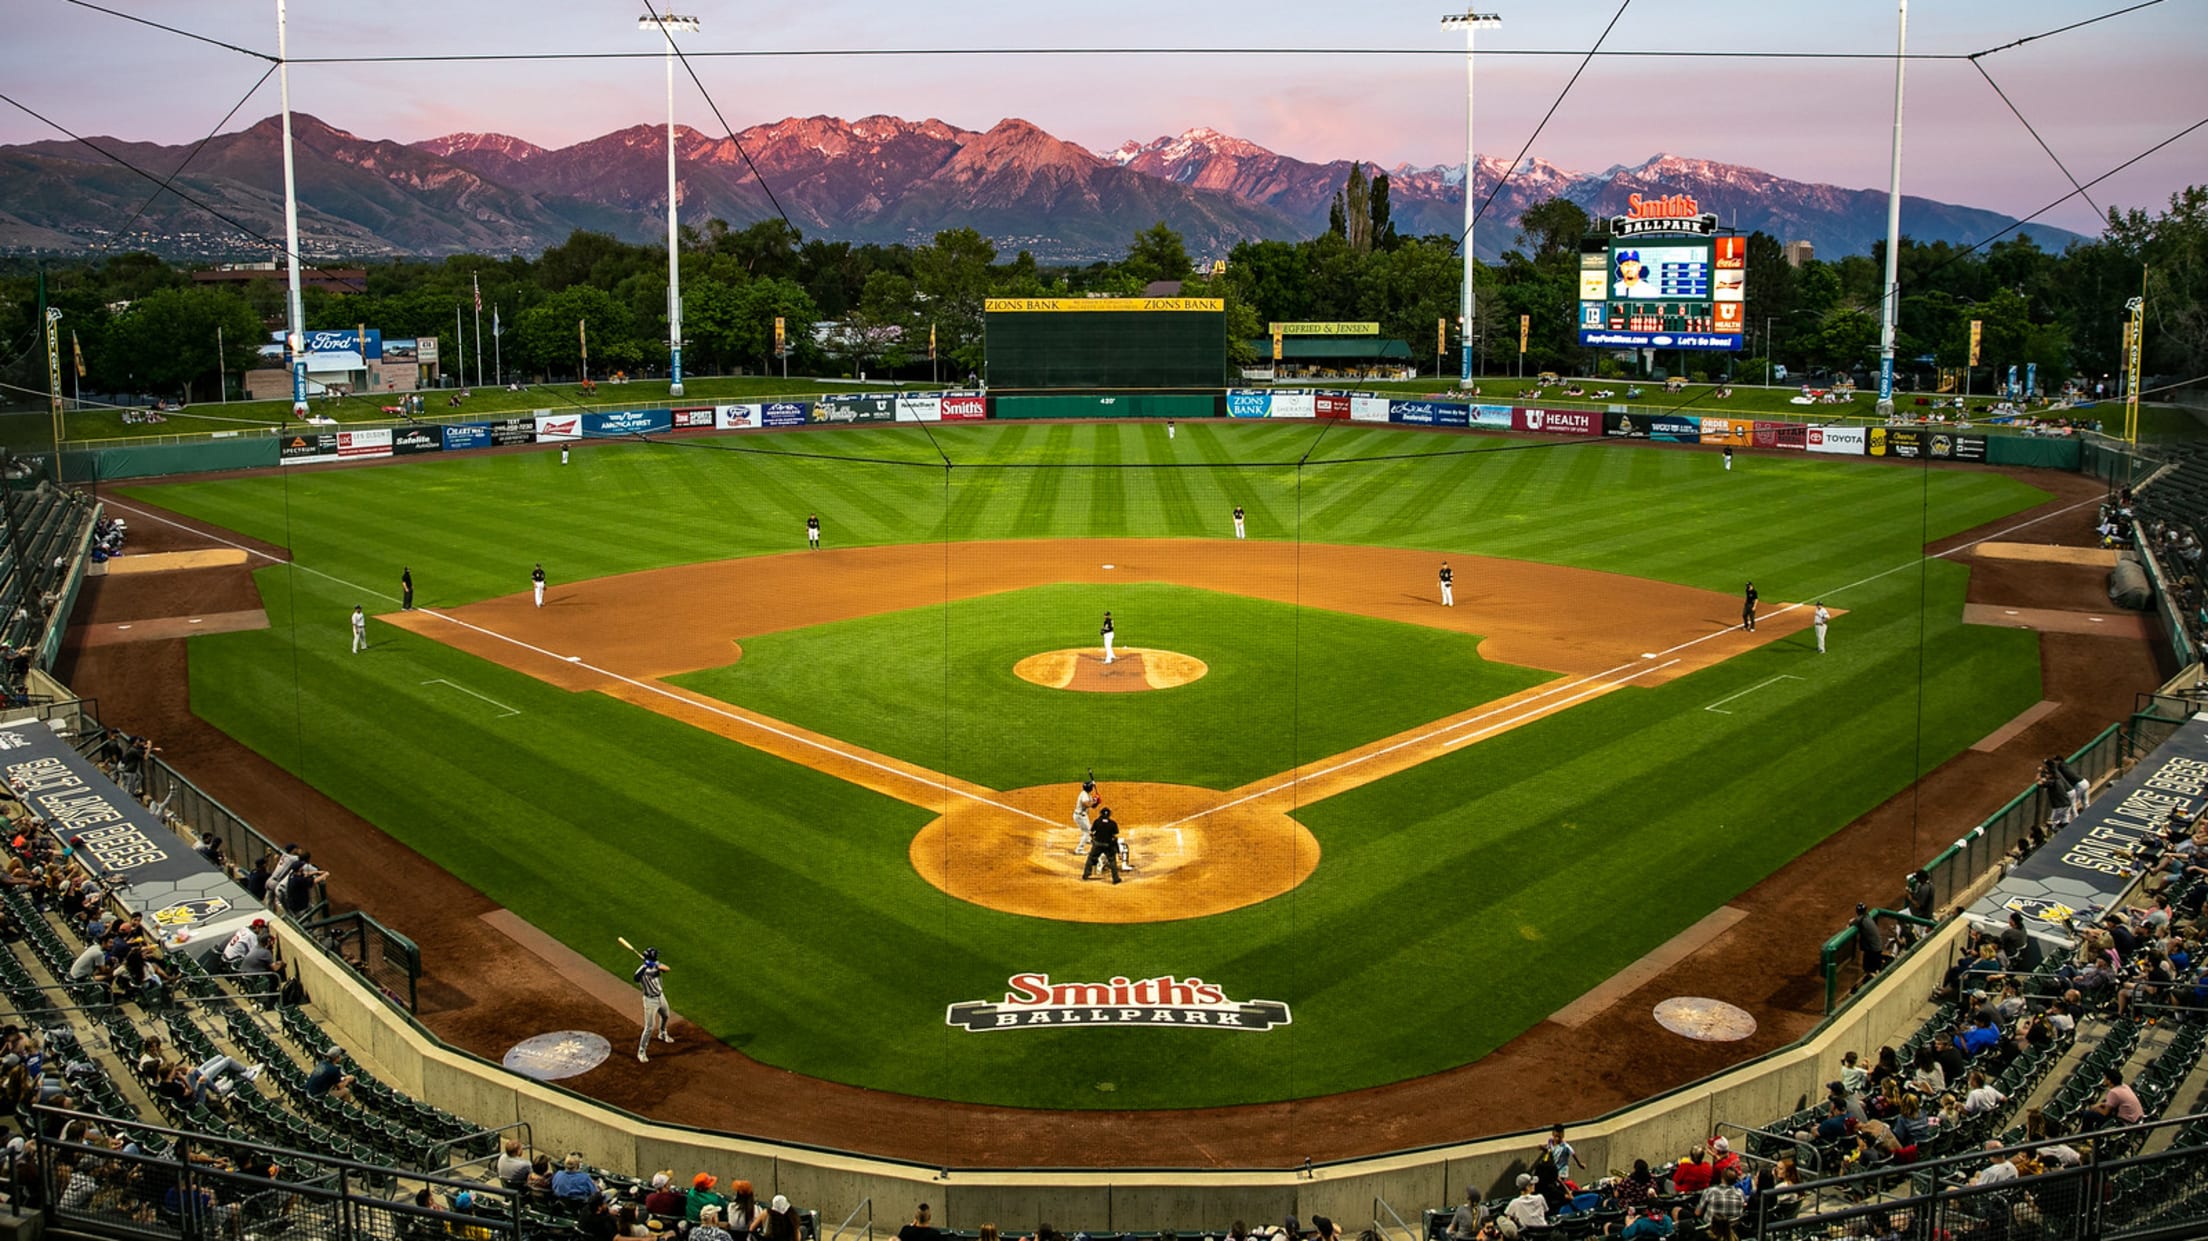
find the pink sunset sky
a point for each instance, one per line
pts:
(2098, 95)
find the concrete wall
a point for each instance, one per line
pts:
(1754, 1094)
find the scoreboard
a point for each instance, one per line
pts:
(1651, 290)
(1157, 343)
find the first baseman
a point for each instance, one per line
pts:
(360, 630)
(536, 580)
(1748, 608)
(812, 531)
(1086, 798)
(1238, 531)
(656, 1012)
(1448, 586)
(1819, 618)
(1107, 632)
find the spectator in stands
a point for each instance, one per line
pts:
(1648, 1223)
(1855, 1077)
(1997, 1169)
(701, 1196)
(598, 1223)
(664, 1200)
(90, 965)
(1911, 1128)
(1692, 1174)
(1724, 1164)
(326, 1079)
(782, 1222)
(1983, 1096)
(2059, 1018)
(1528, 1209)
(922, 1227)
(1631, 1190)
(744, 1215)
(1471, 1214)
(2119, 1105)
(708, 1227)
(1980, 1036)
(573, 1182)
(244, 941)
(1721, 1201)
(208, 1076)
(2010, 1006)
(1926, 1077)
(2040, 1127)
(540, 1176)
(303, 886)
(513, 1166)
(629, 1222)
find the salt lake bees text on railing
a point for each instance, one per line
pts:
(1035, 1001)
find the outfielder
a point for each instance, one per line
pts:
(1107, 632)
(360, 630)
(1082, 800)
(1238, 530)
(812, 531)
(656, 1012)
(536, 581)
(1819, 618)
(1448, 586)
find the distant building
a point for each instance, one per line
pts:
(329, 279)
(1798, 253)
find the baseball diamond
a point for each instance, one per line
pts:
(821, 780)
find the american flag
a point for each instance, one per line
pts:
(478, 282)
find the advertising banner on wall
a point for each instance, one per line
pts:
(370, 347)
(406, 441)
(425, 350)
(1780, 434)
(550, 426)
(1625, 425)
(627, 422)
(1737, 432)
(739, 417)
(1896, 442)
(697, 418)
(1947, 446)
(507, 432)
(1294, 405)
(1842, 441)
(1557, 421)
(306, 449)
(920, 407)
(1494, 417)
(786, 414)
(848, 409)
(1249, 403)
(1330, 405)
(467, 435)
(965, 407)
(1369, 409)
(364, 443)
(1675, 429)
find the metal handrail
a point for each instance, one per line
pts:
(438, 1149)
(1380, 1204)
(866, 1204)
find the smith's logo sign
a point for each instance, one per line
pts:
(1034, 1000)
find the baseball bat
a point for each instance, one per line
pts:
(624, 942)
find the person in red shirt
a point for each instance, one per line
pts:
(1693, 1174)
(1725, 1165)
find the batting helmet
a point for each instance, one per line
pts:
(651, 954)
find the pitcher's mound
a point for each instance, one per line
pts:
(1134, 668)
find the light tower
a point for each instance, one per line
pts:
(1471, 23)
(667, 26)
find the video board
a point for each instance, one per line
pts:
(1663, 291)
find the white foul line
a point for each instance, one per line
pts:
(472, 694)
(1784, 676)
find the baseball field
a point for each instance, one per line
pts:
(834, 787)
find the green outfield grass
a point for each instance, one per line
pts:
(1480, 892)
(934, 686)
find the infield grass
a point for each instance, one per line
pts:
(1477, 893)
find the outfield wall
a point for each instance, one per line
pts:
(318, 446)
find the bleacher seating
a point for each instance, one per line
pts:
(50, 523)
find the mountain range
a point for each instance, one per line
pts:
(876, 179)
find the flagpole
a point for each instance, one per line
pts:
(478, 283)
(497, 338)
(459, 346)
(76, 369)
(222, 375)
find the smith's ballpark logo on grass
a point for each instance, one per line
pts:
(1034, 1001)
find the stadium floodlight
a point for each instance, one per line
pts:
(1471, 23)
(667, 26)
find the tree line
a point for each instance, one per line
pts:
(145, 327)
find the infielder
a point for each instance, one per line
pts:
(1448, 586)
(536, 581)
(812, 531)
(360, 630)
(1748, 608)
(1238, 530)
(656, 1012)
(1082, 800)
(1107, 632)
(1818, 618)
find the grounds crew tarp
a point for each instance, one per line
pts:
(2086, 867)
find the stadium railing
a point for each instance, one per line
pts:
(186, 1186)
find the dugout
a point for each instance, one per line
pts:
(1337, 357)
(1124, 344)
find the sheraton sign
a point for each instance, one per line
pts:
(1035, 1001)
